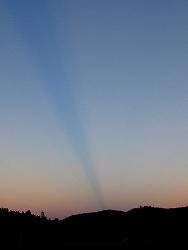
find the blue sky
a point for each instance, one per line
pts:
(93, 104)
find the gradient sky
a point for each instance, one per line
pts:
(93, 104)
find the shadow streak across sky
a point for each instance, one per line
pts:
(39, 36)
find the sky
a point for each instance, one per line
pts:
(93, 105)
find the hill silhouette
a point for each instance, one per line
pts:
(148, 227)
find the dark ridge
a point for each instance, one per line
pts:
(149, 227)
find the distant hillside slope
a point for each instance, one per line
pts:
(150, 227)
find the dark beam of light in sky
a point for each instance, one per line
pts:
(35, 28)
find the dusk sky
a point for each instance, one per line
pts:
(93, 105)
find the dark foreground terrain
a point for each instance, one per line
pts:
(148, 227)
